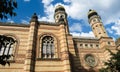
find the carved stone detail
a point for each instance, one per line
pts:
(90, 60)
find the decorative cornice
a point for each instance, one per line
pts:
(53, 59)
(105, 38)
(48, 23)
(85, 38)
(28, 25)
(13, 24)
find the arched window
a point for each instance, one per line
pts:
(8, 47)
(47, 47)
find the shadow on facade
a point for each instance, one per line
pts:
(75, 62)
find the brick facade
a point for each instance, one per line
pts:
(70, 53)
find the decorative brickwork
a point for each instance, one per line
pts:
(70, 54)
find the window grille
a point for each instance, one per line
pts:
(47, 47)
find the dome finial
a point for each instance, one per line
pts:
(90, 9)
(34, 17)
(91, 12)
(59, 8)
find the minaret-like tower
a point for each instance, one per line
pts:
(60, 17)
(96, 24)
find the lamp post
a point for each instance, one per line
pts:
(5, 49)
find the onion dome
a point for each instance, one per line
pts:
(59, 8)
(91, 13)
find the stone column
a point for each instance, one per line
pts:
(30, 51)
(64, 49)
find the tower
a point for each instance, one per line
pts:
(60, 17)
(96, 24)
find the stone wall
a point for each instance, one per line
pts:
(20, 33)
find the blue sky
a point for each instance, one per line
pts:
(77, 10)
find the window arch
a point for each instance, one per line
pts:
(47, 47)
(9, 47)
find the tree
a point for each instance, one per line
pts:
(113, 64)
(7, 8)
(117, 42)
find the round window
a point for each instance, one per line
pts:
(90, 60)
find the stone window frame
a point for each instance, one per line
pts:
(96, 60)
(91, 46)
(39, 46)
(81, 45)
(16, 47)
(94, 20)
(86, 45)
(109, 43)
(97, 45)
(47, 47)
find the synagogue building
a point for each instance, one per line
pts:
(43, 46)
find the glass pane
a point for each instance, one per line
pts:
(44, 48)
(1, 51)
(11, 51)
(7, 48)
(52, 49)
(48, 47)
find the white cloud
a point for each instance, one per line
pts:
(83, 34)
(26, 0)
(24, 22)
(75, 34)
(109, 10)
(47, 18)
(114, 38)
(116, 27)
(109, 30)
(49, 11)
(89, 34)
(67, 1)
(76, 27)
(10, 20)
(46, 2)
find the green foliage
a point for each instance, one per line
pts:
(113, 64)
(7, 7)
(117, 42)
(4, 59)
(103, 70)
